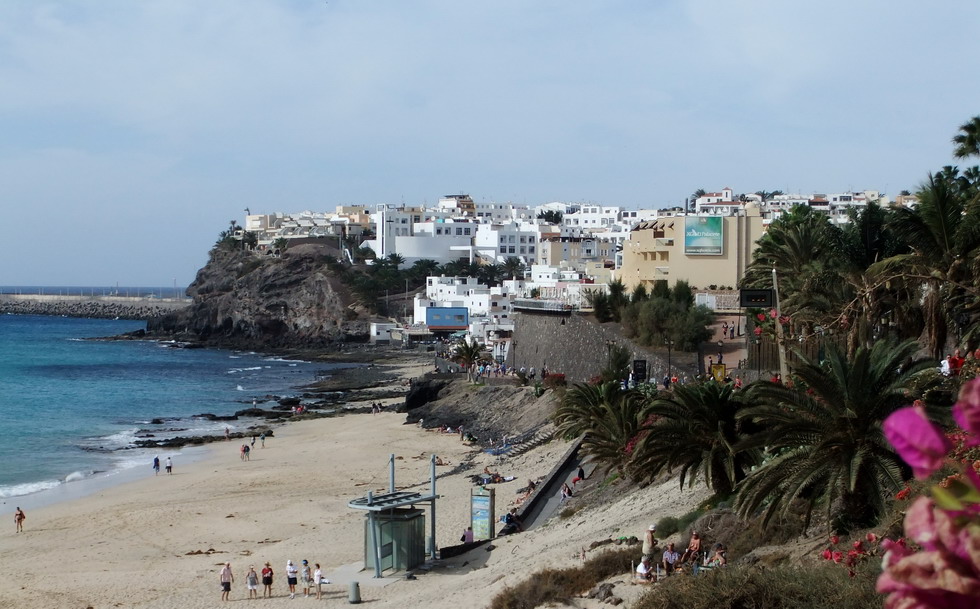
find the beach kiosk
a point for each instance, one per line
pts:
(394, 529)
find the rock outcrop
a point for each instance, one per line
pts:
(253, 300)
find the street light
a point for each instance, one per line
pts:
(669, 344)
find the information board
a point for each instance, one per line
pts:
(482, 513)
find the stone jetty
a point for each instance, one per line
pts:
(103, 307)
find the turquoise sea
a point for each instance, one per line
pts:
(71, 407)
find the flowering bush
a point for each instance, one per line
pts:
(860, 550)
(944, 570)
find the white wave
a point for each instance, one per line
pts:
(239, 387)
(16, 490)
(238, 370)
(121, 439)
(72, 477)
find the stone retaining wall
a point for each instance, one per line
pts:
(579, 347)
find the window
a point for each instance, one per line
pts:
(530, 239)
(459, 230)
(438, 231)
(510, 249)
(530, 249)
(466, 231)
(523, 239)
(503, 239)
(523, 249)
(510, 239)
(503, 249)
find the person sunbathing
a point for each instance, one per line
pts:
(693, 548)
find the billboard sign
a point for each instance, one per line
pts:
(447, 318)
(704, 235)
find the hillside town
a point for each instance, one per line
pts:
(561, 251)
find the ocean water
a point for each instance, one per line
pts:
(71, 408)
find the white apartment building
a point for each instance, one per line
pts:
(498, 242)
(483, 302)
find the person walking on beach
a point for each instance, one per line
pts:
(156, 466)
(227, 579)
(304, 576)
(291, 572)
(262, 438)
(267, 580)
(252, 582)
(19, 518)
(170, 466)
(318, 581)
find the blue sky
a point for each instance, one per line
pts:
(133, 132)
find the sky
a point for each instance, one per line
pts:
(132, 133)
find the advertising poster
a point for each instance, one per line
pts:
(704, 235)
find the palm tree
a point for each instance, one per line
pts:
(968, 140)
(823, 437)
(696, 432)
(608, 415)
(943, 232)
(467, 354)
(395, 260)
(513, 267)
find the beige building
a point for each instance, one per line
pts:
(703, 250)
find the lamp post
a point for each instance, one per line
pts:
(669, 344)
(720, 346)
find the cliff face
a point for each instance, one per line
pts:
(253, 300)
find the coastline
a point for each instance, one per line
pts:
(159, 541)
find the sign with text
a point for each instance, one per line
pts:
(704, 235)
(640, 370)
(481, 513)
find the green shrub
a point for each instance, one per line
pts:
(667, 526)
(825, 586)
(560, 585)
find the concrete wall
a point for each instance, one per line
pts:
(578, 349)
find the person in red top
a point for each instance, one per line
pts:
(956, 363)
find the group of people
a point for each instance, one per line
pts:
(377, 407)
(310, 579)
(156, 466)
(951, 365)
(672, 561)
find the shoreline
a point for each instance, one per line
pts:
(346, 381)
(160, 541)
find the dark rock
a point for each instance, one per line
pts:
(421, 393)
(289, 401)
(602, 592)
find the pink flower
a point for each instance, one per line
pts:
(772, 313)
(827, 554)
(761, 317)
(871, 537)
(834, 539)
(966, 411)
(837, 556)
(859, 545)
(917, 441)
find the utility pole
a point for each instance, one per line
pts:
(780, 339)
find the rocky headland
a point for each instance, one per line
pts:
(246, 299)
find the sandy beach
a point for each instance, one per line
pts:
(162, 540)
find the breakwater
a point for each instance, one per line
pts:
(99, 307)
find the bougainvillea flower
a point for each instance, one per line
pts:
(966, 411)
(761, 317)
(871, 537)
(834, 539)
(827, 554)
(917, 441)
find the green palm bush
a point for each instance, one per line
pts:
(696, 431)
(823, 436)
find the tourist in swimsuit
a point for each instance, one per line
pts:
(19, 518)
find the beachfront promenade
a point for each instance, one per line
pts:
(108, 307)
